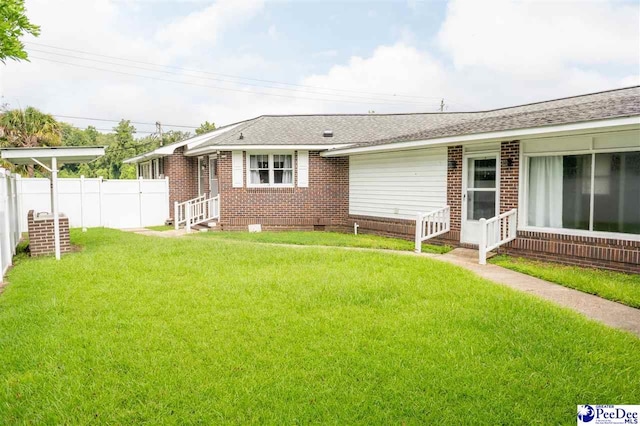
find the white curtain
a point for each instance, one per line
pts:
(253, 166)
(545, 192)
(287, 176)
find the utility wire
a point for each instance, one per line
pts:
(395, 95)
(369, 99)
(213, 87)
(111, 130)
(117, 121)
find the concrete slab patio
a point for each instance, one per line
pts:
(610, 313)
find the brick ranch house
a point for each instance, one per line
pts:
(561, 176)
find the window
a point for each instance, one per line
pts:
(259, 169)
(144, 170)
(282, 169)
(616, 206)
(271, 170)
(594, 192)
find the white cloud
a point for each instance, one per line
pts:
(203, 27)
(272, 32)
(529, 37)
(469, 73)
(329, 53)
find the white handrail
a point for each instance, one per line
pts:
(496, 231)
(197, 210)
(432, 224)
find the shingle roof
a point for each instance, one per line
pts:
(347, 128)
(376, 129)
(598, 106)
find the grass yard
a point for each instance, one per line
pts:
(137, 329)
(337, 239)
(616, 286)
(161, 228)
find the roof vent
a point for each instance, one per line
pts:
(328, 133)
(241, 136)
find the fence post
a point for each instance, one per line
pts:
(166, 180)
(418, 246)
(100, 193)
(15, 212)
(19, 204)
(3, 188)
(140, 199)
(84, 228)
(482, 247)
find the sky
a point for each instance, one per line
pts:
(184, 62)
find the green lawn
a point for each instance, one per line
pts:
(161, 228)
(137, 329)
(326, 239)
(616, 286)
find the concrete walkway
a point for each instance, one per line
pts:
(610, 313)
(163, 234)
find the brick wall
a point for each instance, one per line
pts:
(183, 177)
(605, 253)
(454, 191)
(509, 175)
(323, 205)
(41, 235)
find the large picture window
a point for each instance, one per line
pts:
(271, 169)
(594, 192)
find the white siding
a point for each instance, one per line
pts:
(398, 184)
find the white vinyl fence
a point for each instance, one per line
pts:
(9, 220)
(97, 202)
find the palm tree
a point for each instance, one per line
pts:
(29, 128)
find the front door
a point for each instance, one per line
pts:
(480, 195)
(213, 176)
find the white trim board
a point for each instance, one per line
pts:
(214, 148)
(626, 123)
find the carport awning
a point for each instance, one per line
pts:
(51, 158)
(62, 154)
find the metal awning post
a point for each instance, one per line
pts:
(54, 205)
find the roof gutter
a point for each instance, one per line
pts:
(213, 148)
(526, 133)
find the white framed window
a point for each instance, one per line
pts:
(145, 170)
(593, 193)
(270, 169)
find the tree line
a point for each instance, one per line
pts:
(33, 128)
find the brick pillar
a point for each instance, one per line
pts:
(454, 189)
(509, 175)
(42, 234)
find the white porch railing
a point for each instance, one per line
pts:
(495, 232)
(432, 224)
(197, 210)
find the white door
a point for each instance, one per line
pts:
(480, 195)
(213, 176)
